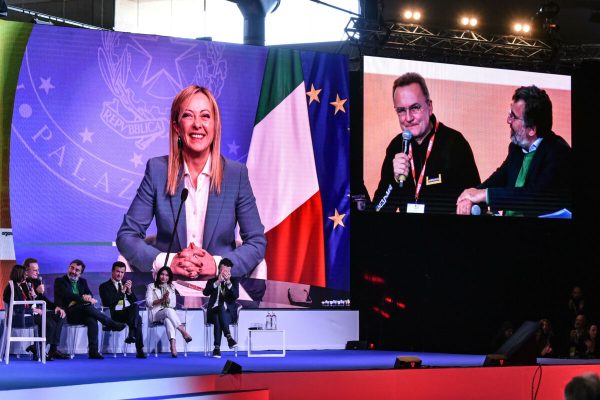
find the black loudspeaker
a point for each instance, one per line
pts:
(231, 368)
(407, 362)
(357, 345)
(519, 349)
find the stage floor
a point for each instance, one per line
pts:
(19, 372)
(301, 375)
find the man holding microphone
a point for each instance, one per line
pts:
(55, 316)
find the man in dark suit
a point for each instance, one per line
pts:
(535, 177)
(54, 314)
(72, 293)
(121, 300)
(222, 308)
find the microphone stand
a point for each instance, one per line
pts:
(184, 195)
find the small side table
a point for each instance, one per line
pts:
(268, 333)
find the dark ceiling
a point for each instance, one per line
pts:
(578, 20)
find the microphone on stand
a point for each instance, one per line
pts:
(184, 195)
(406, 137)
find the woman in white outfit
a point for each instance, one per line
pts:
(160, 298)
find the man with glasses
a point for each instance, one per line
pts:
(428, 165)
(534, 178)
(55, 315)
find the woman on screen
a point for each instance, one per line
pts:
(220, 197)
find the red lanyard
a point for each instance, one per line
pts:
(25, 297)
(412, 163)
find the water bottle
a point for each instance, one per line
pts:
(273, 321)
(269, 321)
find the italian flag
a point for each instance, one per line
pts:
(282, 171)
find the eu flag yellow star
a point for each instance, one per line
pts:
(337, 219)
(338, 104)
(313, 94)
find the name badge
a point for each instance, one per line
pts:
(119, 306)
(433, 180)
(415, 208)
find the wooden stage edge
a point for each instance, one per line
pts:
(490, 383)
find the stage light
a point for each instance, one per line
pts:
(520, 27)
(412, 15)
(469, 21)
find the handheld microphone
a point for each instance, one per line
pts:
(184, 195)
(31, 291)
(406, 136)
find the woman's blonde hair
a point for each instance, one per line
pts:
(175, 153)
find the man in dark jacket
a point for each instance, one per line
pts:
(535, 177)
(72, 293)
(54, 314)
(222, 307)
(425, 171)
(120, 299)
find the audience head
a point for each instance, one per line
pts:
(545, 326)
(584, 387)
(593, 331)
(580, 321)
(576, 293)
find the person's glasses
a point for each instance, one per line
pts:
(415, 109)
(512, 116)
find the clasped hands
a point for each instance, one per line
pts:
(192, 262)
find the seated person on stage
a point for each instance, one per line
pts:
(222, 308)
(160, 298)
(121, 300)
(437, 164)
(55, 316)
(26, 315)
(72, 293)
(534, 179)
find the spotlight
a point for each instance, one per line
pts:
(469, 21)
(521, 27)
(412, 15)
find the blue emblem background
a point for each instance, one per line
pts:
(91, 108)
